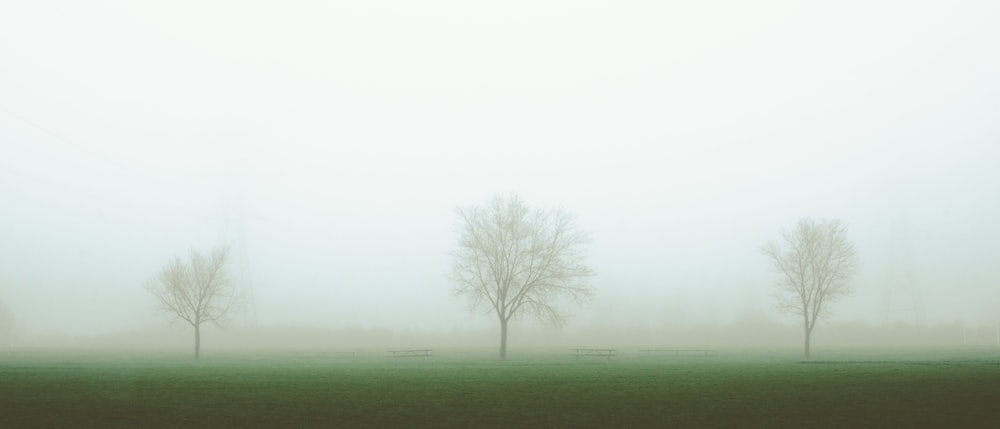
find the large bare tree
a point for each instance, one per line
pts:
(196, 291)
(814, 262)
(515, 260)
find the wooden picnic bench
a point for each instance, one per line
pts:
(585, 353)
(678, 352)
(420, 353)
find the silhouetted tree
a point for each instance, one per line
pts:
(196, 291)
(515, 260)
(814, 263)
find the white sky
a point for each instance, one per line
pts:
(342, 135)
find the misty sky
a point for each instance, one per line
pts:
(332, 142)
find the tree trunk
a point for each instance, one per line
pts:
(503, 339)
(808, 332)
(197, 341)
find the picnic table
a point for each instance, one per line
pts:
(592, 352)
(406, 353)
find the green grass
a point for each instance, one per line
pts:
(468, 388)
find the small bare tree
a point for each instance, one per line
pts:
(814, 263)
(196, 291)
(514, 260)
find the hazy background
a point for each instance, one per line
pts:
(332, 141)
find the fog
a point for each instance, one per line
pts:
(331, 142)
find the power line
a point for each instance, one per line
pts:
(34, 125)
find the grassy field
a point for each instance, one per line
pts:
(468, 388)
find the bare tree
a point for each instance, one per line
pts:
(196, 291)
(515, 260)
(814, 263)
